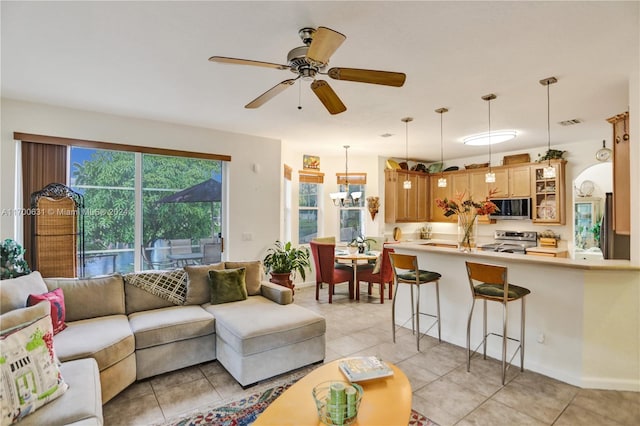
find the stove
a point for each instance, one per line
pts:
(512, 241)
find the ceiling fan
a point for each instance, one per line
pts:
(309, 61)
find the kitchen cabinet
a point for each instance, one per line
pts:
(457, 183)
(621, 174)
(406, 205)
(511, 182)
(519, 181)
(586, 214)
(549, 194)
(480, 189)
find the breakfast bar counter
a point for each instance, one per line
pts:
(583, 317)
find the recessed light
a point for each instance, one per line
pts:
(493, 138)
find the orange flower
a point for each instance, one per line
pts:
(459, 205)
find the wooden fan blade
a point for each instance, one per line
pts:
(386, 78)
(236, 61)
(324, 44)
(266, 96)
(328, 97)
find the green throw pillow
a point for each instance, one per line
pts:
(227, 286)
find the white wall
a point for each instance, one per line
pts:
(252, 211)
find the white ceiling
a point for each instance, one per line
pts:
(149, 60)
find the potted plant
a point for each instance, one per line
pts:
(283, 259)
(12, 263)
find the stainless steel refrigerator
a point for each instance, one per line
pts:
(613, 246)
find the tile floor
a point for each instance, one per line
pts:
(442, 388)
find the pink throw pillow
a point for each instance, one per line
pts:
(56, 299)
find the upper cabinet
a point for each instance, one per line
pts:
(457, 183)
(406, 205)
(549, 194)
(621, 174)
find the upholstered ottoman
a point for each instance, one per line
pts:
(257, 338)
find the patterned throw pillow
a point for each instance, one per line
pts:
(30, 375)
(56, 299)
(228, 286)
(171, 285)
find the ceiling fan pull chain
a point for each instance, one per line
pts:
(300, 95)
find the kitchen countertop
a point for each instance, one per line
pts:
(447, 246)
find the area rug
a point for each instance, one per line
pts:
(245, 411)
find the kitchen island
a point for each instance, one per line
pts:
(583, 317)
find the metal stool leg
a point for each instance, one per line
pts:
(417, 318)
(504, 342)
(438, 307)
(522, 320)
(413, 314)
(393, 313)
(484, 328)
(473, 302)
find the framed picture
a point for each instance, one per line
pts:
(311, 162)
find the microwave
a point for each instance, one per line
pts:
(512, 208)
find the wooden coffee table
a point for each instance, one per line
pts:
(385, 401)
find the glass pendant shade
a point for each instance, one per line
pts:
(442, 182)
(490, 177)
(549, 172)
(406, 184)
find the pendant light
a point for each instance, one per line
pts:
(442, 181)
(344, 198)
(548, 172)
(489, 177)
(407, 183)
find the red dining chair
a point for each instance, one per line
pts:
(324, 258)
(383, 276)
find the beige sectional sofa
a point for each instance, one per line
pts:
(130, 333)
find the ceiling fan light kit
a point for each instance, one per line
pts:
(309, 61)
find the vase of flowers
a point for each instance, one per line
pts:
(467, 211)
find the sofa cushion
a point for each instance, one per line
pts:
(167, 325)
(198, 287)
(56, 299)
(169, 285)
(137, 300)
(15, 291)
(257, 324)
(28, 364)
(81, 404)
(228, 286)
(19, 316)
(92, 297)
(253, 278)
(107, 339)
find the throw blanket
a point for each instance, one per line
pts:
(170, 285)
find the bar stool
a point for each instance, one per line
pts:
(404, 272)
(495, 287)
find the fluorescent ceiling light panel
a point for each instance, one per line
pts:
(496, 137)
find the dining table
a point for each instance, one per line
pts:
(356, 260)
(183, 259)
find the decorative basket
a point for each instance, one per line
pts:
(337, 402)
(476, 166)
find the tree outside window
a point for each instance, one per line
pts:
(352, 216)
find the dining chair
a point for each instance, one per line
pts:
(380, 274)
(154, 264)
(211, 253)
(489, 282)
(324, 260)
(180, 246)
(406, 271)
